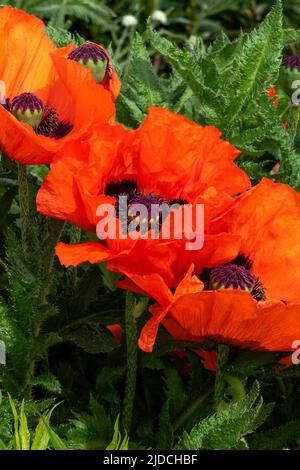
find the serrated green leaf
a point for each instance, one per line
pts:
(209, 103)
(226, 428)
(259, 63)
(56, 441)
(94, 339)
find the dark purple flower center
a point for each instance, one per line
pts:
(291, 62)
(234, 275)
(49, 123)
(87, 51)
(132, 205)
(231, 276)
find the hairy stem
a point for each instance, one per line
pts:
(223, 352)
(24, 203)
(132, 351)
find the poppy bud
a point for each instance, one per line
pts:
(92, 56)
(232, 276)
(28, 108)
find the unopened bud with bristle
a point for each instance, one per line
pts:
(232, 276)
(92, 56)
(28, 108)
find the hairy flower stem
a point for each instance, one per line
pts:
(192, 409)
(132, 351)
(223, 352)
(24, 204)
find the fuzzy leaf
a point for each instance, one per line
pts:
(259, 63)
(226, 428)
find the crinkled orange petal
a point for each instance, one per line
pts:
(235, 318)
(73, 255)
(59, 196)
(155, 287)
(179, 159)
(152, 285)
(267, 219)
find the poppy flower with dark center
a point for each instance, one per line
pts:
(253, 302)
(169, 159)
(46, 100)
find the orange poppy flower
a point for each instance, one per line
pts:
(45, 99)
(253, 302)
(169, 159)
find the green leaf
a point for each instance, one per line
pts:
(93, 338)
(117, 442)
(174, 391)
(259, 63)
(49, 382)
(61, 37)
(276, 438)
(226, 428)
(290, 36)
(209, 103)
(16, 424)
(141, 86)
(41, 435)
(56, 441)
(23, 429)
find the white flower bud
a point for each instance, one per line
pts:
(129, 21)
(159, 16)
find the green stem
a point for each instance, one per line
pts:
(223, 352)
(24, 203)
(191, 410)
(132, 351)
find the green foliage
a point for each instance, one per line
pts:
(117, 442)
(61, 38)
(42, 438)
(53, 321)
(226, 429)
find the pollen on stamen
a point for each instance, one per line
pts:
(49, 123)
